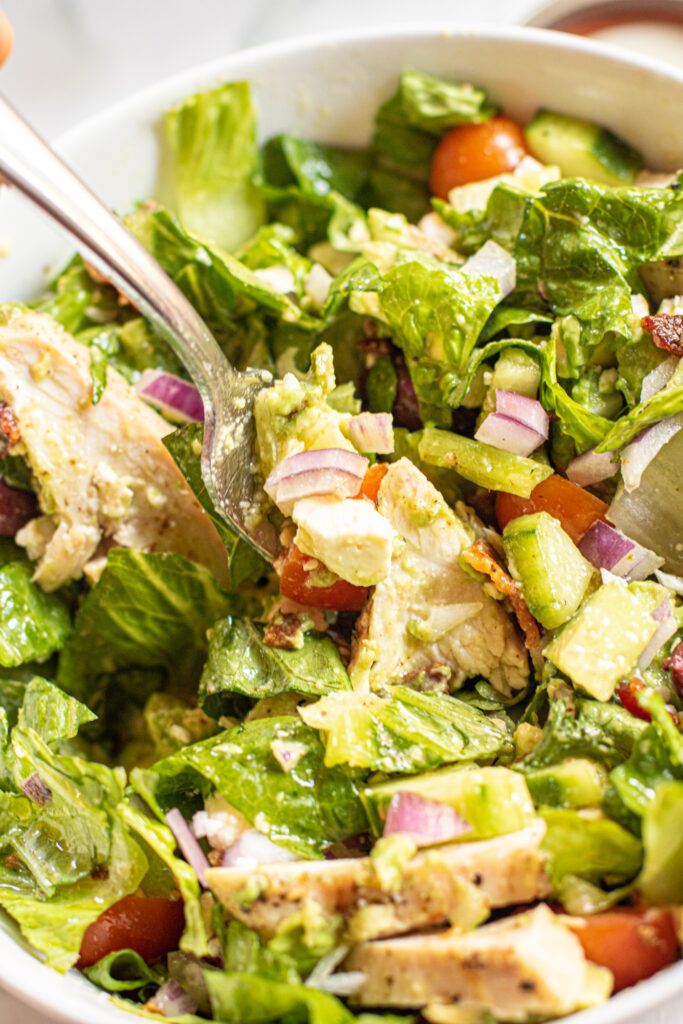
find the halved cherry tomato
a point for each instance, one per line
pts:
(634, 944)
(576, 508)
(298, 582)
(374, 475)
(151, 925)
(627, 695)
(472, 152)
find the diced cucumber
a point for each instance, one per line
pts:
(582, 149)
(517, 371)
(601, 644)
(493, 800)
(483, 464)
(553, 573)
(576, 782)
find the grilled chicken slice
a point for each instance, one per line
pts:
(429, 610)
(103, 475)
(522, 966)
(435, 885)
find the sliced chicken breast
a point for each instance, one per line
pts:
(522, 966)
(429, 610)
(104, 477)
(504, 871)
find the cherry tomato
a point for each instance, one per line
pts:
(374, 475)
(575, 508)
(151, 925)
(298, 582)
(634, 944)
(627, 695)
(472, 152)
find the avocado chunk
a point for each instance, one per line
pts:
(551, 570)
(601, 643)
(576, 782)
(493, 801)
(582, 149)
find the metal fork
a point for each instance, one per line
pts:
(228, 466)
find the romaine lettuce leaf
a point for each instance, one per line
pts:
(595, 849)
(253, 999)
(124, 970)
(665, 403)
(185, 445)
(33, 624)
(52, 714)
(147, 611)
(661, 880)
(435, 104)
(240, 662)
(656, 758)
(406, 731)
(305, 809)
(212, 139)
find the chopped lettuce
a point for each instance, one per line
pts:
(124, 970)
(656, 758)
(33, 624)
(661, 880)
(212, 138)
(596, 849)
(406, 731)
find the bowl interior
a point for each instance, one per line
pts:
(328, 89)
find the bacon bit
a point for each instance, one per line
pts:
(284, 633)
(9, 424)
(100, 873)
(666, 330)
(481, 557)
(674, 665)
(13, 863)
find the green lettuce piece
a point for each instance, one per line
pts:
(435, 104)
(77, 301)
(481, 463)
(212, 139)
(406, 731)
(306, 809)
(124, 970)
(240, 662)
(273, 245)
(253, 999)
(244, 953)
(667, 402)
(33, 624)
(597, 850)
(661, 880)
(172, 723)
(147, 611)
(656, 758)
(51, 713)
(185, 445)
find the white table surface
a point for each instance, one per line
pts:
(74, 57)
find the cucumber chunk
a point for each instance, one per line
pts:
(582, 149)
(482, 464)
(553, 573)
(576, 782)
(493, 800)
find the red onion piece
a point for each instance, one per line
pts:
(317, 471)
(509, 435)
(36, 790)
(607, 548)
(492, 260)
(528, 411)
(178, 399)
(187, 844)
(637, 456)
(253, 848)
(173, 1001)
(372, 432)
(425, 821)
(591, 467)
(663, 614)
(17, 507)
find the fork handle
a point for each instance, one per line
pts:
(28, 163)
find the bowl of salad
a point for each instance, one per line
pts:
(428, 764)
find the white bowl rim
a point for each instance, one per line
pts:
(19, 976)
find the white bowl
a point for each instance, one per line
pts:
(328, 89)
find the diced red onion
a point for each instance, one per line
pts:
(173, 1001)
(637, 456)
(372, 432)
(591, 467)
(317, 471)
(663, 614)
(509, 435)
(425, 821)
(528, 411)
(607, 548)
(178, 399)
(187, 844)
(492, 260)
(658, 378)
(253, 848)
(17, 507)
(36, 790)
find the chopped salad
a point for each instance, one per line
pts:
(428, 764)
